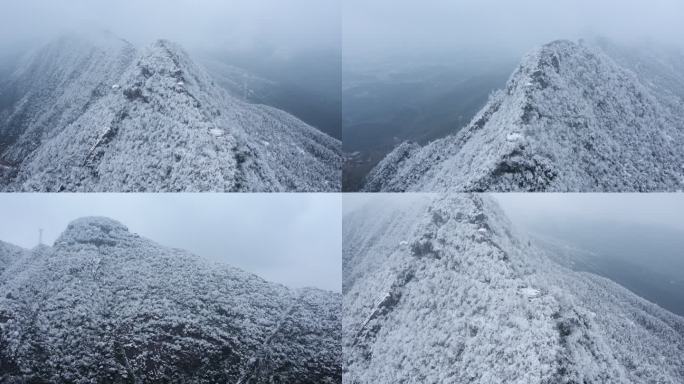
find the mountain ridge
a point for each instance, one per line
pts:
(571, 118)
(161, 124)
(104, 304)
(446, 290)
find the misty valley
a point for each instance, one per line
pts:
(306, 86)
(646, 259)
(385, 104)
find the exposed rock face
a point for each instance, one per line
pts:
(106, 305)
(573, 117)
(441, 289)
(83, 116)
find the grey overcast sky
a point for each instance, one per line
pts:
(287, 25)
(388, 26)
(659, 209)
(293, 239)
(354, 201)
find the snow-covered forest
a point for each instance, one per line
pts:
(95, 113)
(591, 116)
(105, 305)
(443, 289)
(186, 166)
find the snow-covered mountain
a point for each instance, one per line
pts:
(573, 117)
(442, 289)
(95, 114)
(9, 254)
(106, 305)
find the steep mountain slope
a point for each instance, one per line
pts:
(53, 87)
(160, 124)
(9, 254)
(412, 99)
(571, 118)
(105, 305)
(443, 290)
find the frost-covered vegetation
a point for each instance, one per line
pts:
(105, 305)
(9, 254)
(86, 115)
(573, 117)
(441, 289)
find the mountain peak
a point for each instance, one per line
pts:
(165, 58)
(543, 66)
(571, 118)
(132, 293)
(560, 44)
(550, 54)
(456, 263)
(166, 44)
(97, 231)
(76, 117)
(166, 48)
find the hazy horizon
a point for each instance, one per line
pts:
(437, 27)
(296, 26)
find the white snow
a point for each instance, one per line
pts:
(494, 311)
(590, 120)
(217, 131)
(153, 126)
(76, 298)
(530, 292)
